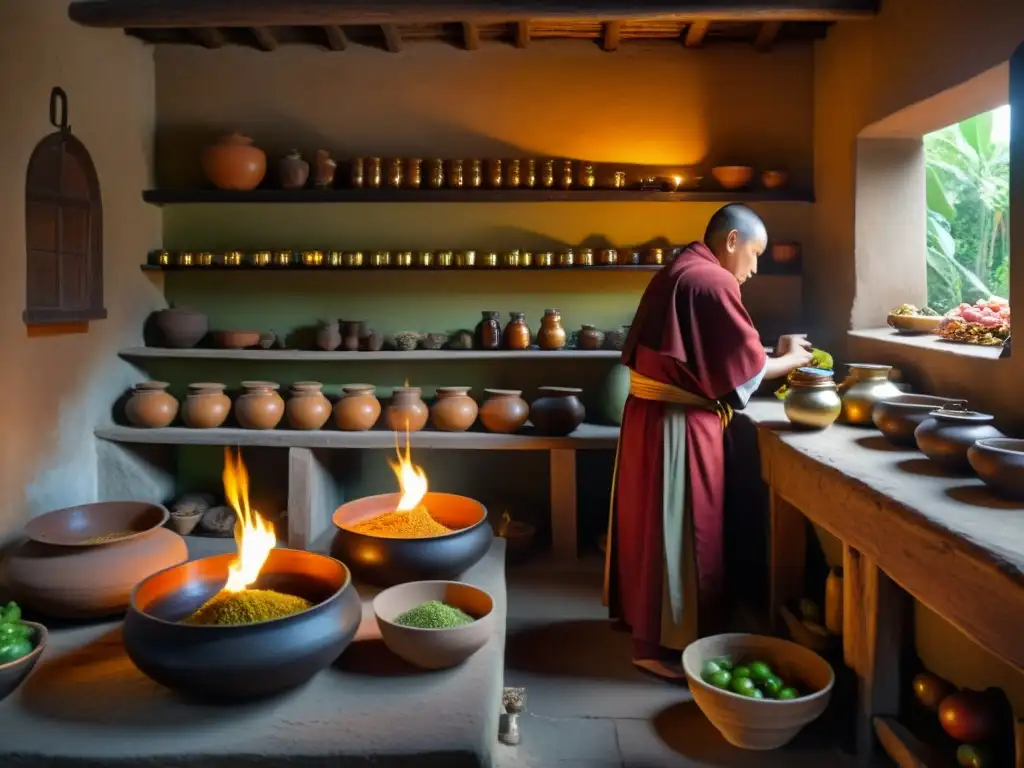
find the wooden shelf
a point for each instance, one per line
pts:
(588, 436)
(296, 355)
(206, 196)
(365, 269)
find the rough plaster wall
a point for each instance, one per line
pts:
(57, 388)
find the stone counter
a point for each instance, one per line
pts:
(87, 705)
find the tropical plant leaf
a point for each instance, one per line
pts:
(977, 131)
(935, 195)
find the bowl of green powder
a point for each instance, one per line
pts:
(434, 624)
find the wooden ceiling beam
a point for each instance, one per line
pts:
(470, 35)
(695, 34)
(337, 40)
(264, 38)
(612, 33)
(392, 38)
(522, 34)
(273, 13)
(208, 37)
(766, 35)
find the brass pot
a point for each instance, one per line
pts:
(373, 172)
(186, 259)
(546, 259)
(204, 259)
(380, 259)
(585, 257)
(313, 258)
(260, 258)
(608, 257)
(465, 259)
(352, 259)
(864, 386)
(511, 260)
(489, 260)
(425, 259)
(283, 258)
(566, 258)
(813, 404)
(403, 259)
(233, 258)
(444, 259)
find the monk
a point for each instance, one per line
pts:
(693, 355)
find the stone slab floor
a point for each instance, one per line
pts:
(587, 707)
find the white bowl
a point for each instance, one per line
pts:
(760, 724)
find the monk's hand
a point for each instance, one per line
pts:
(791, 343)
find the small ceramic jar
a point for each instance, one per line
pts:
(551, 335)
(351, 332)
(406, 412)
(293, 171)
(307, 408)
(558, 411)
(259, 407)
(206, 407)
(590, 338)
(454, 410)
(517, 332)
(358, 410)
(151, 405)
(328, 337)
(504, 411)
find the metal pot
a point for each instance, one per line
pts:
(864, 387)
(812, 404)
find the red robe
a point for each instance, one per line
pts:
(690, 331)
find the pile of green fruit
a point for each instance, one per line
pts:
(754, 679)
(15, 635)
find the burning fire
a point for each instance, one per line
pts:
(412, 480)
(254, 536)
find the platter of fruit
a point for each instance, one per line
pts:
(985, 323)
(911, 320)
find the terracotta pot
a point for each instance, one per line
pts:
(83, 582)
(504, 411)
(351, 332)
(326, 167)
(206, 407)
(236, 339)
(558, 411)
(733, 176)
(454, 410)
(260, 407)
(181, 328)
(947, 435)
(307, 408)
(517, 332)
(293, 171)
(183, 525)
(328, 338)
(358, 410)
(551, 334)
(590, 338)
(151, 405)
(373, 341)
(234, 163)
(406, 411)
(488, 331)
(96, 524)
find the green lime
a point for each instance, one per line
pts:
(757, 694)
(709, 669)
(773, 685)
(760, 671)
(788, 693)
(744, 686)
(741, 671)
(720, 679)
(725, 663)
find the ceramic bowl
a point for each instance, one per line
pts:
(911, 325)
(435, 648)
(86, 524)
(236, 339)
(760, 724)
(999, 461)
(897, 418)
(183, 525)
(774, 179)
(13, 673)
(733, 176)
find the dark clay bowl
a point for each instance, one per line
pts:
(243, 662)
(13, 673)
(898, 417)
(386, 562)
(999, 461)
(74, 526)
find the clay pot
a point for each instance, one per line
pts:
(236, 339)
(897, 419)
(325, 169)
(406, 411)
(373, 341)
(558, 411)
(590, 338)
(260, 407)
(488, 331)
(206, 406)
(328, 338)
(551, 335)
(1000, 463)
(181, 328)
(151, 405)
(504, 411)
(517, 332)
(83, 582)
(616, 338)
(947, 435)
(358, 410)
(454, 410)
(307, 408)
(614, 391)
(351, 332)
(293, 171)
(234, 163)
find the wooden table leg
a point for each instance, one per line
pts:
(876, 613)
(787, 546)
(562, 463)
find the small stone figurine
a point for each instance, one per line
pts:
(514, 702)
(325, 168)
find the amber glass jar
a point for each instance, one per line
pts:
(488, 331)
(517, 332)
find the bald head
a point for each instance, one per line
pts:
(737, 236)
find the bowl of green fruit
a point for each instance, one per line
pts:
(758, 691)
(21, 647)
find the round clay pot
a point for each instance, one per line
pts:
(454, 410)
(260, 407)
(206, 407)
(558, 411)
(947, 435)
(328, 338)
(551, 334)
(373, 341)
(307, 408)
(234, 163)
(406, 411)
(590, 338)
(84, 582)
(358, 410)
(351, 332)
(504, 411)
(151, 405)
(181, 328)
(517, 332)
(292, 170)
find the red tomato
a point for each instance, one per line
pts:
(968, 716)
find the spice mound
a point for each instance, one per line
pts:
(109, 537)
(247, 607)
(434, 615)
(417, 524)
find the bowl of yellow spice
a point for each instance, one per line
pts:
(434, 624)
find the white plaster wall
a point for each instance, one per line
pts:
(55, 389)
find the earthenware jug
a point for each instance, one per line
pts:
(234, 163)
(328, 338)
(488, 331)
(949, 432)
(151, 405)
(406, 411)
(613, 394)
(558, 411)
(206, 406)
(293, 170)
(864, 386)
(454, 410)
(358, 410)
(590, 338)
(551, 335)
(260, 407)
(180, 327)
(517, 332)
(307, 408)
(813, 399)
(504, 410)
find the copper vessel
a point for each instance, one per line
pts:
(374, 173)
(307, 408)
(358, 410)
(608, 257)
(425, 259)
(313, 258)
(512, 175)
(435, 173)
(530, 173)
(511, 260)
(547, 174)
(357, 173)
(406, 411)
(546, 259)
(489, 260)
(444, 259)
(566, 258)
(465, 259)
(396, 172)
(585, 257)
(260, 407)
(454, 410)
(204, 259)
(185, 259)
(283, 258)
(494, 173)
(352, 259)
(475, 174)
(261, 258)
(233, 258)
(566, 179)
(455, 177)
(380, 259)
(587, 176)
(414, 173)
(403, 259)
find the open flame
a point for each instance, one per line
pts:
(412, 480)
(254, 535)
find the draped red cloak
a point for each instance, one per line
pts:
(690, 331)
